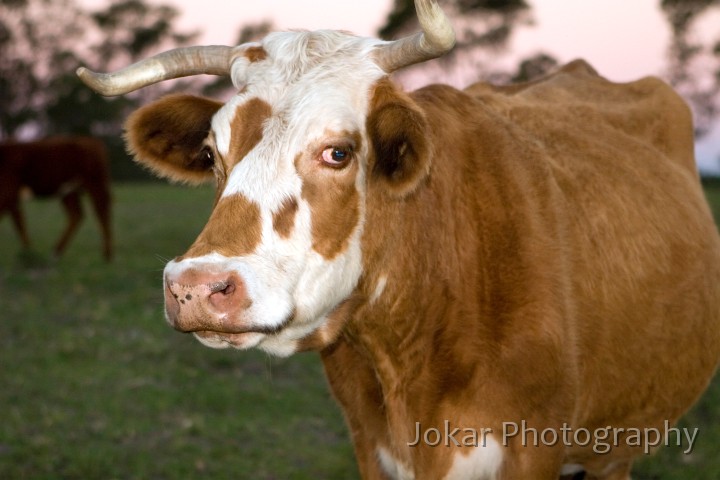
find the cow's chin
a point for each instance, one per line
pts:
(293, 334)
(241, 341)
(281, 343)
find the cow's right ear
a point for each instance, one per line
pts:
(399, 138)
(167, 137)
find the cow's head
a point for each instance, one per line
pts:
(313, 122)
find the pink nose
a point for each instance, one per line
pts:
(202, 301)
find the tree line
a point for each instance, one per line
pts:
(43, 41)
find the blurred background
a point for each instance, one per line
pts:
(94, 384)
(43, 41)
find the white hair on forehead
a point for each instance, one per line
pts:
(326, 74)
(321, 78)
(321, 59)
(298, 52)
(316, 83)
(304, 45)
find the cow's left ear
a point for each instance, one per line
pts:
(167, 137)
(398, 133)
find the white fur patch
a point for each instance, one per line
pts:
(478, 463)
(251, 340)
(393, 467)
(221, 123)
(482, 463)
(379, 289)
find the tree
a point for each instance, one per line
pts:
(694, 62)
(480, 25)
(131, 29)
(30, 56)
(127, 31)
(42, 42)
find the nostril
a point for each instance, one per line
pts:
(172, 303)
(226, 288)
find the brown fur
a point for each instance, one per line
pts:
(233, 229)
(284, 218)
(255, 54)
(61, 167)
(167, 136)
(549, 258)
(559, 265)
(247, 129)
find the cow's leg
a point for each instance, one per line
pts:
(19, 223)
(73, 209)
(10, 201)
(356, 389)
(100, 198)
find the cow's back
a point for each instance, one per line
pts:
(643, 251)
(63, 162)
(577, 101)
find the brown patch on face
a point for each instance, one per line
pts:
(247, 129)
(255, 54)
(334, 200)
(234, 229)
(284, 218)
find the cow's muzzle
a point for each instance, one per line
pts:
(200, 301)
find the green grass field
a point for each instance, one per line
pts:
(95, 385)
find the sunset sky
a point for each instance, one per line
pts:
(622, 39)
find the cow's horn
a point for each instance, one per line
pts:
(437, 38)
(176, 63)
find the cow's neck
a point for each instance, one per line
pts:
(440, 278)
(412, 293)
(414, 273)
(383, 367)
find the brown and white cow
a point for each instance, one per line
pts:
(538, 255)
(64, 167)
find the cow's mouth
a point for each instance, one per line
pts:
(244, 338)
(224, 340)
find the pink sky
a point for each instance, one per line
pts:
(622, 46)
(362, 17)
(622, 39)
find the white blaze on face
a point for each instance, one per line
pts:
(290, 153)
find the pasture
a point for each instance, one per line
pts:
(95, 385)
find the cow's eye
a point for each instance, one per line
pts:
(207, 157)
(336, 156)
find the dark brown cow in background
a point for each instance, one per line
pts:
(61, 167)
